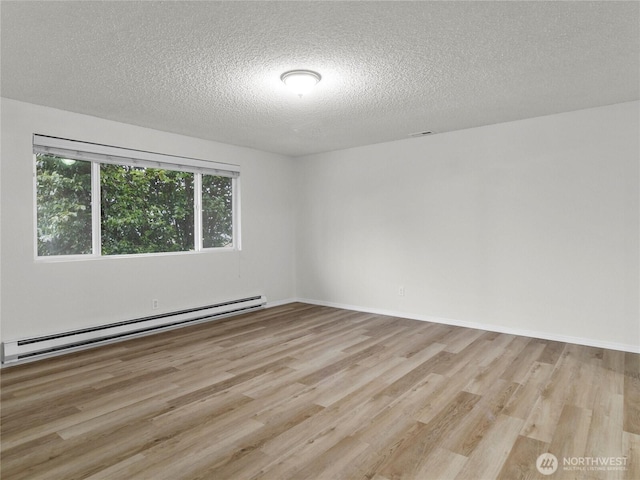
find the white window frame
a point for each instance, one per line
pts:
(99, 154)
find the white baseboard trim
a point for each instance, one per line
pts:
(481, 326)
(278, 303)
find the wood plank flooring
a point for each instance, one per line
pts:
(309, 392)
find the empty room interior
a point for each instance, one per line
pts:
(320, 240)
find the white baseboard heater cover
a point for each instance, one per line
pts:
(56, 344)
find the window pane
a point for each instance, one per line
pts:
(63, 201)
(217, 211)
(146, 210)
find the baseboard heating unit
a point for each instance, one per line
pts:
(55, 344)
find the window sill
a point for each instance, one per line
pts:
(85, 258)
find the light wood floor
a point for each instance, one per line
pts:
(308, 392)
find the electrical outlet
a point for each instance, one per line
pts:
(401, 291)
(154, 303)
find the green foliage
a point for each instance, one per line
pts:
(146, 210)
(64, 206)
(217, 218)
(143, 210)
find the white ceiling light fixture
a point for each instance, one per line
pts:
(300, 82)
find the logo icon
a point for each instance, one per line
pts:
(547, 463)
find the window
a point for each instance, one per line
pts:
(95, 200)
(64, 206)
(145, 210)
(217, 211)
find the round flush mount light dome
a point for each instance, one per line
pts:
(300, 82)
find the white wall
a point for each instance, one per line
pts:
(528, 226)
(39, 298)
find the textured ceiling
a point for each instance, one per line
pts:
(211, 69)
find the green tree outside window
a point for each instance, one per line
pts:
(142, 210)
